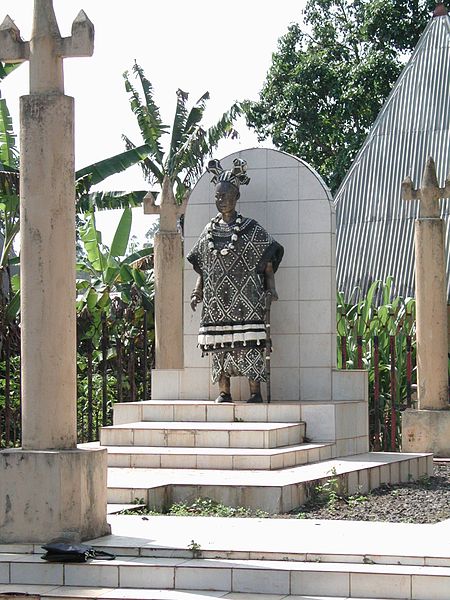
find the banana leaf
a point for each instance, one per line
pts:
(99, 171)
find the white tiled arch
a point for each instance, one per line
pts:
(289, 199)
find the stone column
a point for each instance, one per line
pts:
(428, 428)
(49, 487)
(168, 265)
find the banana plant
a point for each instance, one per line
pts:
(107, 273)
(190, 143)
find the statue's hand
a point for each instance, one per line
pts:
(272, 292)
(196, 298)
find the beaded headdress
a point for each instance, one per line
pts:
(237, 176)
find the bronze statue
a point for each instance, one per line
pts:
(236, 260)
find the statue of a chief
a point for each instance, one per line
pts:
(236, 260)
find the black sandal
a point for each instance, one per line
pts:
(223, 397)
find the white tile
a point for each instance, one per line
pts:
(290, 243)
(276, 158)
(363, 481)
(203, 578)
(142, 576)
(197, 215)
(178, 461)
(257, 158)
(349, 384)
(92, 574)
(157, 412)
(126, 414)
(201, 194)
(214, 461)
(310, 186)
(314, 583)
(315, 283)
(374, 478)
(282, 217)
(315, 384)
(315, 250)
(220, 412)
(282, 183)
(286, 350)
(387, 586)
(4, 573)
(36, 573)
(315, 350)
(165, 384)
(149, 437)
(189, 412)
(345, 420)
(193, 355)
(194, 384)
(189, 283)
(285, 317)
(314, 216)
(362, 444)
(346, 447)
(251, 412)
(315, 316)
(257, 211)
(284, 413)
(191, 319)
(285, 385)
(287, 282)
(262, 581)
(256, 189)
(180, 439)
(430, 587)
(212, 439)
(320, 421)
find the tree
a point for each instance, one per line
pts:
(330, 77)
(190, 143)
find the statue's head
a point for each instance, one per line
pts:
(228, 182)
(226, 195)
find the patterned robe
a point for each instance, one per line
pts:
(232, 325)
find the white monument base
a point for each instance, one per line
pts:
(426, 431)
(48, 494)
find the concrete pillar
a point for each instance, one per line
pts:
(168, 269)
(168, 261)
(431, 314)
(47, 230)
(49, 488)
(427, 429)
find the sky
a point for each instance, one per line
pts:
(195, 45)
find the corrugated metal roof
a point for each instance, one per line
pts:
(375, 227)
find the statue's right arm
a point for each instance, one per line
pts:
(197, 293)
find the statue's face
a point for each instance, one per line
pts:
(226, 197)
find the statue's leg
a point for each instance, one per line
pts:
(255, 392)
(224, 389)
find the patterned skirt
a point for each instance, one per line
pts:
(246, 362)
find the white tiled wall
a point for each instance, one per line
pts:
(289, 199)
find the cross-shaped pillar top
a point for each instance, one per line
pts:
(47, 48)
(168, 210)
(429, 192)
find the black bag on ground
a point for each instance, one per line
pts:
(65, 552)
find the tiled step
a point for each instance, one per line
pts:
(239, 576)
(203, 434)
(187, 411)
(272, 491)
(215, 458)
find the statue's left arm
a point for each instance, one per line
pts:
(269, 281)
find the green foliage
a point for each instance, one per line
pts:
(390, 323)
(206, 507)
(330, 77)
(190, 143)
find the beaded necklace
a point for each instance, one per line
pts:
(234, 236)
